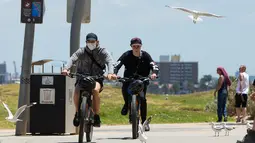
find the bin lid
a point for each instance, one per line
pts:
(41, 62)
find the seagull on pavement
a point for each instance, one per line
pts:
(146, 122)
(227, 128)
(14, 118)
(142, 137)
(216, 128)
(249, 125)
(195, 15)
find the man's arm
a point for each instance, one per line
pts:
(119, 64)
(153, 66)
(109, 61)
(74, 58)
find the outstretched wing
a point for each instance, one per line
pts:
(8, 110)
(146, 122)
(210, 14)
(19, 111)
(182, 9)
(32, 104)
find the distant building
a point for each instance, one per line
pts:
(175, 71)
(175, 58)
(164, 58)
(3, 73)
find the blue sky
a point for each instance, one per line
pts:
(225, 42)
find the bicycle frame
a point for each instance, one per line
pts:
(135, 105)
(89, 104)
(138, 101)
(85, 110)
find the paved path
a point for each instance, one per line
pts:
(176, 133)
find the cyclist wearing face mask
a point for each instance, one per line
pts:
(91, 60)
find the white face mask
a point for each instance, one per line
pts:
(92, 46)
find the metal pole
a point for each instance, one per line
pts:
(24, 92)
(76, 29)
(76, 25)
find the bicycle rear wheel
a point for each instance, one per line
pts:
(82, 118)
(134, 117)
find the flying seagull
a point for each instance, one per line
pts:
(195, 15)
(14, 118)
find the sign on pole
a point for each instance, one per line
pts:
(32, 11)
(86, 15)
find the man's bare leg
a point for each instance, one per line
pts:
(96, 98)
(238, 114)
(76, 99)
(244, 113)
(96, 105)
(76, 121)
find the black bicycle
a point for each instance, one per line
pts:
(85, 112)
(135, 89)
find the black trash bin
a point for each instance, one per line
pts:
(55, 109)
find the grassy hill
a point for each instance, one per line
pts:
(177, 109)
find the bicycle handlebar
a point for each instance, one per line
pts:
(72, 75)
(127, 79)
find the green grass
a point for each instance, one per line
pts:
(177, 109)
(9, 95)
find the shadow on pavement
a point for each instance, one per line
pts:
(7, 136)
(74, 142)
(124, 138)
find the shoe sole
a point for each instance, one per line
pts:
(123, 114)
(97, 126)
(76, 125)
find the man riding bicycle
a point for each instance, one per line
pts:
(136, 61)
(90, 60)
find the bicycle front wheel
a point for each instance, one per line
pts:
(82, 118)
(89, 126)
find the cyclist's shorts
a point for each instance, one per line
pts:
(99, 81)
